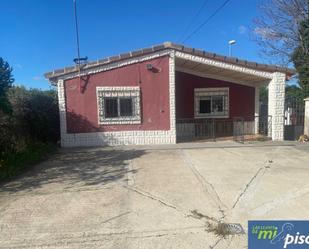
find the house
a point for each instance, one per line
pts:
(164, 94)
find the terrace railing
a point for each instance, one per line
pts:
(212, 129)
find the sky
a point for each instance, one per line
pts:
(38, 36)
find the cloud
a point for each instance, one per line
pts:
(36, 78)
(242, 29)
(19, 66)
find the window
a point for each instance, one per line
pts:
(111, 107)
(119, 105)
(126, 107)
(205, 105)
(211, 102)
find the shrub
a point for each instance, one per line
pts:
(12, 164)
(29, 129)
(35, 114)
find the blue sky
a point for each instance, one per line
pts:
(38, 35)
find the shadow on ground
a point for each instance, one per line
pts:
(77, 168)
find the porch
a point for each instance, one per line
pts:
(221, 102)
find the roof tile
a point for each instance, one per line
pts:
(169, 45)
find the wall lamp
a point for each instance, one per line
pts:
(153, 69)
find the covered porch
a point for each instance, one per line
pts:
(219, 99)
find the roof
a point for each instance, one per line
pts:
(177, 47)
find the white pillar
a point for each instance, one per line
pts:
(276, 94)
(62, 112)
(257, 110)
(306, 125)
(172, 94)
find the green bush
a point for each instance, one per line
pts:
(29, 124)
(29, 129)
(35, 114)
(15, 163)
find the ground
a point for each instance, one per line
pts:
(153, 196)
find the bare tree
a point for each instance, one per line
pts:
(277, 28)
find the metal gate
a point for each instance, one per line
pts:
(294, 116)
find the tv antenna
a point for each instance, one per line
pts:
(79, 61)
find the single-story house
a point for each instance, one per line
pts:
(164, 93)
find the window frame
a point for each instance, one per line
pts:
(119, 93)
(211, 92)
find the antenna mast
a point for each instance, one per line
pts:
(78, 61)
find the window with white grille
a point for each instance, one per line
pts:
(119, 105)
(211, 102)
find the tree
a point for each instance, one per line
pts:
(300, 57)
(264, 95)
(6, 77)
(277, 28)
(6, 81)
(35, 114)
(295, 92)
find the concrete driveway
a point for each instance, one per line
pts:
(154, 197)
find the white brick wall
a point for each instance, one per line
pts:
(117, 138)
(62, 108)
(276, 95)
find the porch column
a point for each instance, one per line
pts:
(172, 96)
(276, 93)
(306, 125)
(257, 110)
(62, 112)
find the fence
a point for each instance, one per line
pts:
(294, 116)
(211, 129)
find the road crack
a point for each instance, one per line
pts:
(260, 173)
(148, 195)
(207, 186)
(187, 213)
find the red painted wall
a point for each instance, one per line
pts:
(241, 98)
(82, 112)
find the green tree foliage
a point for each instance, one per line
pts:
(6, 77)
(300, 57)
(34, 117)
(264, 95)
(6, 81)
(35, 113)
(294, 91)
(291, 91)
(29, 124)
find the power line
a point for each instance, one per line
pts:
(206, 21)
(193, 19)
